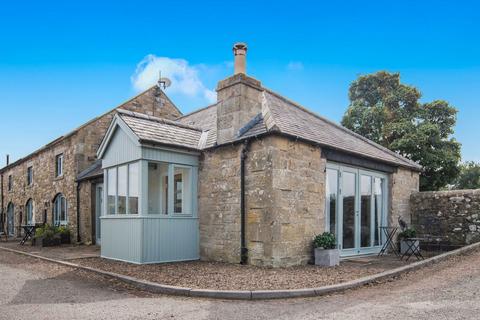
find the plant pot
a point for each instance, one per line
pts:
(327, 258)
(405, 244)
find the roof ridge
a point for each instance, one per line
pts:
(378, 146)
(157, 119)
(198, 110)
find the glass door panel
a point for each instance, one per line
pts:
(365, 211)
(331, 201)
(349, 209)
(378, 186)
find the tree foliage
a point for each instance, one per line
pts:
(469, 177)
(388, 112)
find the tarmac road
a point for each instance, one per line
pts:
(34, 289)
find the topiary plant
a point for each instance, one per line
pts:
(407, 233)
(325, 240)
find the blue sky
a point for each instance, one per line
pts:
(63, 63)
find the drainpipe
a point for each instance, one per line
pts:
(78, 211)
(2, 215)
(243, 244)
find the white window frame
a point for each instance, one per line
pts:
(127, 204)
(29, 212)
(59, 165)
(57, 202)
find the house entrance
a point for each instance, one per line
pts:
(356, 207)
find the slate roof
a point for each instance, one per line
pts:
(94, 171)
(286, 117)
(164, 132)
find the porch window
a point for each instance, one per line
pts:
(157, 188)
(182, 190)
(123, 189)
(111, 190)
(133, 193)
(165, 197)
(60, 215)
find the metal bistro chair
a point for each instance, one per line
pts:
(389, 233)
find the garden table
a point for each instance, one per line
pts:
(389, 233)
(412, 249)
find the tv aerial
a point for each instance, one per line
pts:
(163, 83)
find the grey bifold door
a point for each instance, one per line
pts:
(356, 207)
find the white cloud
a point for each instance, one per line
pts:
(295, 66)
(185, 77)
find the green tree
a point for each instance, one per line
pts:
(388, 112)
(469, 177)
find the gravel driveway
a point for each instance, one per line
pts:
(32, 289)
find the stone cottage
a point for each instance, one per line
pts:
(58, 183)
(250, 179)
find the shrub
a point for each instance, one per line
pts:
(407, 233)
(63, 230)
(325, 240)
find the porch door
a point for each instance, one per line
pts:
(355, 208)
(98, 211)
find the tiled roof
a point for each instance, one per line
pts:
(95, 170)
(205, 118)
(286, 117)
(161, 131)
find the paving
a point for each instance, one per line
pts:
(34, 289)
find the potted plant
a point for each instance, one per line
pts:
(46, 236)
(64, 234)
(326, 252)
(406, 240)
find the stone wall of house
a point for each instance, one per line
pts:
(284, 184)
(79, 149)
(403, 183)
(453, 216)
(285, 201)
(219, 204)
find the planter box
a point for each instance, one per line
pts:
(327, 258)
(47, 242)
(65, 238)
(404, 244)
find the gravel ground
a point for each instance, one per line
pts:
(35, 289)
(224, 276)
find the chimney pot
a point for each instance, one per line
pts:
(240, 53)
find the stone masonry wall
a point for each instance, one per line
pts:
(403, 183)
(219, 204)
(285, 201)
(284, 185)
(79, 149)
(453, 216)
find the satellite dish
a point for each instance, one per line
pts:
(164, 82)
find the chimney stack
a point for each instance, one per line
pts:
(240, 53)
(8, 159)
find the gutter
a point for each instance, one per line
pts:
(243, 242)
